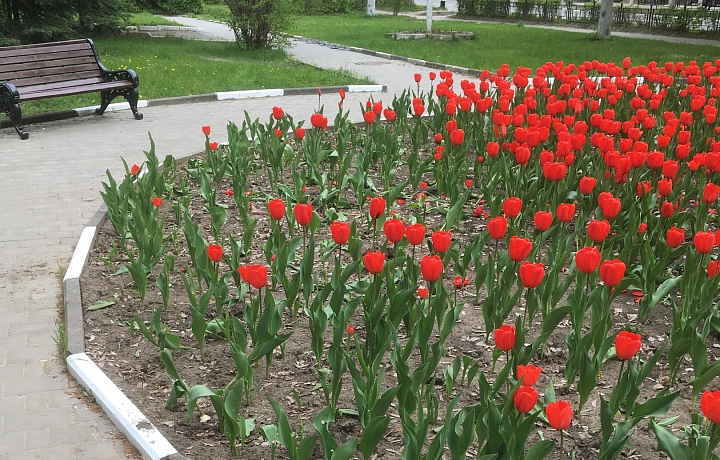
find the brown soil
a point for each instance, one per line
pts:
(133, 364)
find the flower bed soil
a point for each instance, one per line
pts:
(133, 363)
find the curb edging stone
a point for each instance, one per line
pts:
(211, 97)
(122, 412)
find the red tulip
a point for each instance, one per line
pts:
(642, 227)
(389, 114)
(565, 212)
(587, 259)
(713, 268)
(377, 207)
(587, 184)
(710, 405)
(157, 201)
(505, 337)
(667, 209)
(340, 232)
(134, 170)
(704, 242)
(525, 399)
(374, 261)
(418, 109)
(415, 234)
(214, 145)
(303, 214)
(278, 113)
(206, 130)
(497, 227)
(612, 272)
(664, 187)
(627, 344)
(276, 208)
(710, 193)
(350, 330)
(369, 117)
(531, 274)
(215, 252)
(319, 121)
(675, 236)
(457, 137)
(423, 292)
(512, 207)
(431, 268)
(441, 241)
(543, 220)
(418, 77)
(519, 248)
(611, 207)
(377, 108)
(598, 230)
(394, 230)
(299, 133)
(559, 414)
(528, 374)
(257, 275)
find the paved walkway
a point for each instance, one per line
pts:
(49, 189)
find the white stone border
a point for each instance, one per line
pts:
(250, 94)
(123, 413)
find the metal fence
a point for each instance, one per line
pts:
(683, 18)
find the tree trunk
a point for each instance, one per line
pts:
(428, 16)
(370, 11)
(606, 13)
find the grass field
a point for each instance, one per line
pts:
(494, 44)
(176, 67)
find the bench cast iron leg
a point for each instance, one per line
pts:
(16, 119)
(105, 98)
(131, 95)
(132, 98)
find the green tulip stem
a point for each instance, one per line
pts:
(562, 450)
(712, 438)
(622, 365)
(260, 301)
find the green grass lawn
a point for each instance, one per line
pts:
(494, 44)
(176, 67)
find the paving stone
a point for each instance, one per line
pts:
(37, 419)
(11, 444)
(53, 453)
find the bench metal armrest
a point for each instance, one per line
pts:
(117, 75)
(9, 97)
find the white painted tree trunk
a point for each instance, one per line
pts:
(606, 12)
(428, 16)
(671, 3)
(370, 11)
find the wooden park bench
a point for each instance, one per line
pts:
(30, 72)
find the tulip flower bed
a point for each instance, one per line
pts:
(528, 272)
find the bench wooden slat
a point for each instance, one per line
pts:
(62, 84)
(8, 60)
(51, 63)
(16, 78)
(44, 45)
(54, 79)
(30, 50)
(93, 88)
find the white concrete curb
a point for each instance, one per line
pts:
(251, 94)
(364, 88)
(128, 418)
(81, 253)
(90, 110)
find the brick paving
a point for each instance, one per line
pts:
(49, 189)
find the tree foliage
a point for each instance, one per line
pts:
(260, 23)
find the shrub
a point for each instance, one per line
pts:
(260, 23)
